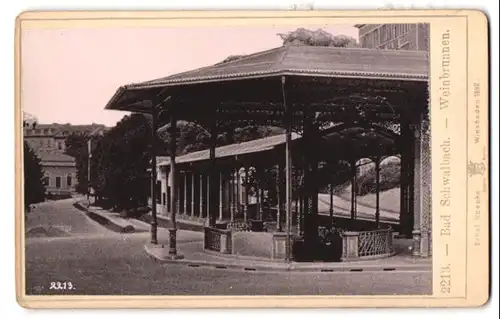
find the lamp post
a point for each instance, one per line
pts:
(89, 150)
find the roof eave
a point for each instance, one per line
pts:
(287, 72)
(118, 94)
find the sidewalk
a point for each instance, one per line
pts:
(112, 220)
(194, 255)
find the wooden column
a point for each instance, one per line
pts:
(167, 190)
(221, 196)
(245, 199)
(238, 191)
(297, 215)
(353, 189)
(200, 213)
(235, 192)
(261, 206)
(231, 194)
(300, 212)
(288, 168)
(185, 192)
(406, 218)
(278, 198)
(257, 193)
(425, 185)
(192, 194)
(300, 226)
(422, 238)
(213, 191)
(310, 167)
(377, 186)
(180, 193)
(288, 154)
(208, 212)
(331, 204)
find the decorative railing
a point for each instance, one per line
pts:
(367, 244)
(219, 240)
(239, 225)
(376, 242)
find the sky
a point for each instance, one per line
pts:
(68, 75)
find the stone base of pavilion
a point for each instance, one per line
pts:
(196, 256)
(362, 242)
(271, 245)
(346, 246)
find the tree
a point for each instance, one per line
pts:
(34, 187)
(193, 137)
(302, 36)
(121, 160)
(76, 146)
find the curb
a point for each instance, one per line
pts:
(106, 222)
(284, 267)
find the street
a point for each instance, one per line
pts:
(86, 258)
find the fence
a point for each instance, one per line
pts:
(219, 240)
(367, 244)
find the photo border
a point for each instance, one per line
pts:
(470, 281)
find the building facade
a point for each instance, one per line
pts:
(49, 143)
(59, 173)
(394, 36)
(50, 138)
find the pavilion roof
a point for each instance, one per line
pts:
(254, 146)
(313, 60)
(298, 60)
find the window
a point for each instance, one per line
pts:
(58, 182)
(46, 180)
(68, 181)
(59, 145)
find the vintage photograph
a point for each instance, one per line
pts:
(227, 160)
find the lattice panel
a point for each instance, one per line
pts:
(373, 243)
(212, 240)
(425, 153)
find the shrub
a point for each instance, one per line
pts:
(390, 174)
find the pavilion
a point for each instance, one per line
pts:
(356, 103)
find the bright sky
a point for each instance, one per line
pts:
(68, 75)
